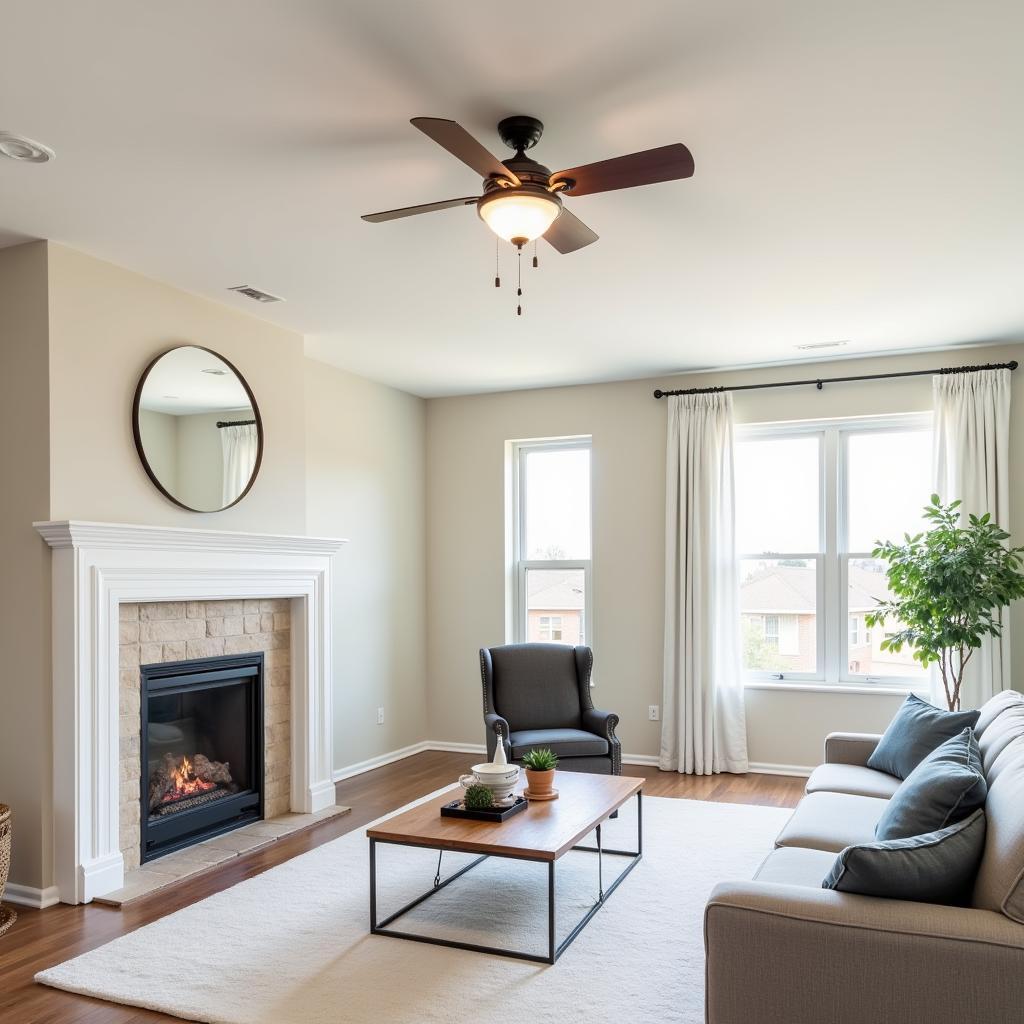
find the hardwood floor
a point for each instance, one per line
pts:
(41, 939)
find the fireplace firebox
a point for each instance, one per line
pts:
(201, 750)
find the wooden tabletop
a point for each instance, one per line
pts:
(544, 831)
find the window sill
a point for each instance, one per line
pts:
(840, 688)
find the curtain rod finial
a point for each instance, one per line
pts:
(658, 393)
(1012, 364)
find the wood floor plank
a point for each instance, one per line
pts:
(40, 939)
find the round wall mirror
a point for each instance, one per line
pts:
(197, 429)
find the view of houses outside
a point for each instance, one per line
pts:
(554, 606)
(779, 619)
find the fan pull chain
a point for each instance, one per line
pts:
(535, 263)
(519, 282)
(497, 274)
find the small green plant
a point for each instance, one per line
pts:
(540, 760)
(478, 798)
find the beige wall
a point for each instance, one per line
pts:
(365, 459)
(106, 324)
(466, 541)
(77, 333)
(25, 768)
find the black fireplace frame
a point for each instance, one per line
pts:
(175, 832)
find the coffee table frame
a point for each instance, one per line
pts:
(555, 948)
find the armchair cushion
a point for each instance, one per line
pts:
(563, 742)
(552, 697)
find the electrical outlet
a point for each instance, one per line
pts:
(380, 716)
(653, 713)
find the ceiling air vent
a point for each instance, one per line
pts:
(254, 293)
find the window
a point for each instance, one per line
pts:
(550, 533)
(811, 501)
(551, 628)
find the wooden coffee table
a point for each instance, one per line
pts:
(544, 832)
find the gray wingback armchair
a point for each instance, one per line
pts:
(538, 695)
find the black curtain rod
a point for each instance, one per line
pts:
(249, 423)
(820, 382)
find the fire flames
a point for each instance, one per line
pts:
(185, 783)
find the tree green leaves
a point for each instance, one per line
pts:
(948, 586)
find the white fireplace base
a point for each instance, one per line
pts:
(96, 566)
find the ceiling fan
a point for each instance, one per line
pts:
(522, 199)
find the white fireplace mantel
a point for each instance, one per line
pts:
(96, 567)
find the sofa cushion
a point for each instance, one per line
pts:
(832, 821)
(1008, 727)
(792, 865)
(563, 742)
(938, 867)
(994, 707)
(946, 787)
(1005, 759)
(915, 731)
(852, 778)
(1000, 882)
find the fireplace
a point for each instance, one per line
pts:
(201, 750)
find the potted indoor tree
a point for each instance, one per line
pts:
(540, 767)
(947, 587)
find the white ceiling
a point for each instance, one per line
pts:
(180, 384)
(859, 172)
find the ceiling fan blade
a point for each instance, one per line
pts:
(411, 211)
(568, 233)
(452, 136)
(667, 163)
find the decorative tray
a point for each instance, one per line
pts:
(456, 810)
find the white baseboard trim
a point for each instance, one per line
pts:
(764, 768)
(369, 764)
(28, 896)
(645, 760)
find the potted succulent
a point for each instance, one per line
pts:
(540, 767)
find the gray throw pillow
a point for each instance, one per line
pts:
(938, 867)
(946, 787)
(916, 730)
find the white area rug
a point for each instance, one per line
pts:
(291, 946)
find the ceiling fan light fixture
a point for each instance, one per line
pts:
(519, 215)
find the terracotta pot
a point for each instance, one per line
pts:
(540, 783)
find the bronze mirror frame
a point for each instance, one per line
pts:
(137, 434)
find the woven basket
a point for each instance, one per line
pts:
(7, 916)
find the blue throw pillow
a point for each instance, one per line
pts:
(946, 787)
(917, 729)
(938, 867)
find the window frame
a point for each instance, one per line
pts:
(832, 560)
(518, 621)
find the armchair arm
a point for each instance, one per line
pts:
(603, 723)
(496, 726)
(850, 747)
(803, 955)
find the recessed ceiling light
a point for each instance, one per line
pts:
(824, 344)
(28, 151)
(216, 373)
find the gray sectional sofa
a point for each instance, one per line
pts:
(783, 950)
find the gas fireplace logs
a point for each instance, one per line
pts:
(187, 781)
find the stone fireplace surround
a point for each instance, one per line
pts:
(100, 568)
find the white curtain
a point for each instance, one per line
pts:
(239, 446)
(703, 723)
(972, 457)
